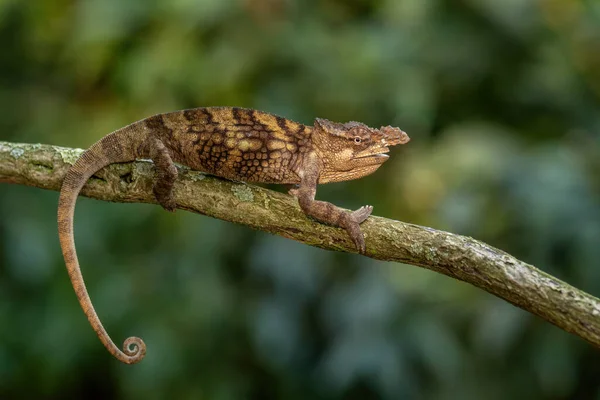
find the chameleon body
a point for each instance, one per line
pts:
(234, 143)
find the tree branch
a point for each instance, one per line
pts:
(460, 257)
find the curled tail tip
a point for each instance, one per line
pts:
(134, 350)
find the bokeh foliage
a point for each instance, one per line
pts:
(501, 100)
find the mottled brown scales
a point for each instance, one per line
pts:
(233, 143)
(229, 141)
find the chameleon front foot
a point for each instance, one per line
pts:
(351, 222)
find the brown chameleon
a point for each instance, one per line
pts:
(234, 143)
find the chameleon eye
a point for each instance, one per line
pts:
(357, 139)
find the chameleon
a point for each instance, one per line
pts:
(233, 143)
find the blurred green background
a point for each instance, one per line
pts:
(501, 100)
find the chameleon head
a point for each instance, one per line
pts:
(352, 150)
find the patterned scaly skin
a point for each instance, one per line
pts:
(238, 144)
(234, 143)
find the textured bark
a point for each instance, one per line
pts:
(460, 257)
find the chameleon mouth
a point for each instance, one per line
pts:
(379, 153)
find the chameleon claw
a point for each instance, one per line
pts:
(359, 242)
(170, 207)
(166, 202)
(352, 225)
(361, 214)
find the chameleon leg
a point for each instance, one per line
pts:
(330, 214)
(166, 174)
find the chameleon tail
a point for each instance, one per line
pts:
(96, 157)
